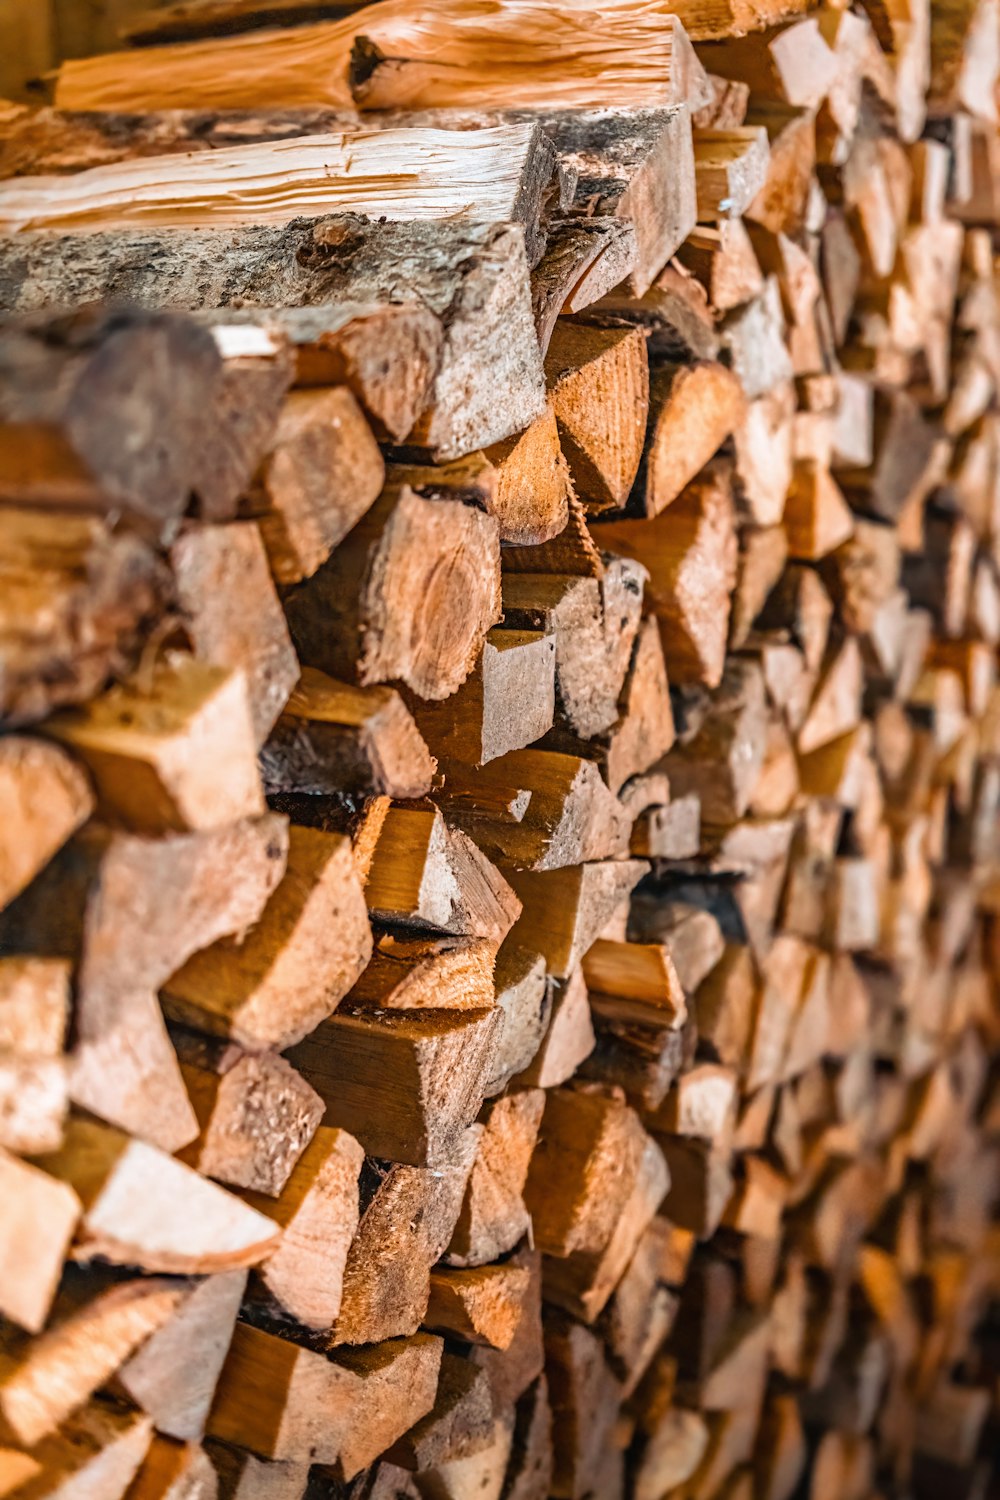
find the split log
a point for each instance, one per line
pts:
(37, 1230)
(56, 448)
(44, 797)
(594, 621)
(730, 170)
(478, 1305)
(506, 702)
(144, 746)
(694, 408)
(413, 974)
(161, 1379)
(382, 174)
(441, 1060)
(409, 560)
(599, 388)
(290, 970)
(493, 1216)
(427, 876)
(335, 738)
(462, 60)
(564, 910)
(317, 1211)
(536, 810)
(215, 569)
(67, 580)
(690, 552)
(408, 1216)
(198, 1227)
(95, 1329)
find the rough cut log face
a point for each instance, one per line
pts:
(500, 770)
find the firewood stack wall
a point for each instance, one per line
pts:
(500, 756)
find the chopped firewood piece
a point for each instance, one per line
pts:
(904, 448)
(690, 552)
(506, 702)
(61, 445)
(598, 383)
(162, 1379)
(182, 893)
(244, 1476)
(459, 1424)
(583, 1169)
(585, 1398)
(430, 877)
(568, 1039)
(522, 992)
(816, 517)
(836, 706)
(730, 169)
(408, 1216)
(388, 174)
(75, 600)
(515, 59)
(472, 279)
(40, 1217)
(583, 1281)
(493, 1217)
(333, 737)
(480, 1305)
(273, 985)
(172, 1471)
(43, 1381)
(255, 1114)
(754, 336)
(721, 256)
(409, 596)
(701, 1184)
(413, 974)
(149, 749)
(694, 408)
(283, 1401)
(672, 1453)
(634, 981)
(595, 622)
(536, 810)
(34, 1009)
(317, 1211)
(792, 63)
(532, 486)
(44, 797)
(97, 1452)
(564, 910)
(323, 472)
(216, 568)
(722, 762)
(439, 1062)
(691, 935)
(763, 452)
(197, 1227)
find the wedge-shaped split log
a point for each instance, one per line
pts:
(408, 597)
(333, 737)
(306, 1406)
(65, 579)
(198, 1227)
(146, 748)
(438, 1062)
(537, 810)
(317, 1211)
(506, 702)
(430, 877)
(44, 797)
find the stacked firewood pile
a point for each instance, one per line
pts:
(500, 771)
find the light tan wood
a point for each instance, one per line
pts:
(45, 797)
(506, 702)
(144, 746)
(493, 1216)
(198, 1227)
(693, 410)
(598, 384)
